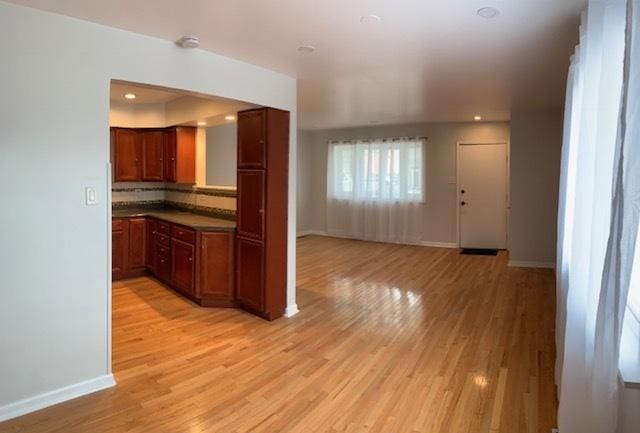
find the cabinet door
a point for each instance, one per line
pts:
(119, 248)
(170, 155)
(127, 154)
(163, 266)
(250, 202)
(137, 243)
(252, 131)
(250, 273)
(185, 154)
(216, 265)
(153, 155)
(182, 267)
(151, 246)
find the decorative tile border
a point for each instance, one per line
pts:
(227, 214)
(148, 204)
(187, 190)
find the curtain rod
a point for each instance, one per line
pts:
(369, 140)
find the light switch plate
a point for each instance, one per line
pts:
(91, 196)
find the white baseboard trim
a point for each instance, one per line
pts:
(291, 310)
(31, 404)
(343, 236)
(439, 244)
(311, 232)
(525, 264)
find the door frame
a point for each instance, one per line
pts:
(507, 143)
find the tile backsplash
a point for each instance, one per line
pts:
(211, 201)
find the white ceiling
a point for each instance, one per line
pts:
(144, 94)
(427, 60)
(170, 106)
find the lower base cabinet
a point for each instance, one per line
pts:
(215, 271)
(198, 264)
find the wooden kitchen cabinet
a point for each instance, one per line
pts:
(262, 205)
(137, 244)
(119, 248)
(250, 277)
(198, 264)
(182, 265)
(126, 152)
(150, 254)
(215, 264)
(127, 247)
(250, 204)
(153, 155)
(180, 151)
(252, 136)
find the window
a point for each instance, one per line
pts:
(377, 170)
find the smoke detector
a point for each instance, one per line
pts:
(188, 42)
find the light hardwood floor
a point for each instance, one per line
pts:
(389, 339)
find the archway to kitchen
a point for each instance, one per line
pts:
(179, 266)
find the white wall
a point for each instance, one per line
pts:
(222, 155)
(54, 250)
(536, 140)
(440, 224)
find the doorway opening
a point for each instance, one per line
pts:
(180, 166)
(483, 195)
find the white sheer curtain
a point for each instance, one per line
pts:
(375, 189)
(597, 212)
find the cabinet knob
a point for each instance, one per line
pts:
(190, 259)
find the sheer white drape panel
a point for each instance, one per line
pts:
(375, 189)
(591, 213)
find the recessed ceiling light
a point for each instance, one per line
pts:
(488, 12)
(202, 123)
(306, 49)
(371, 18)
(230, 117)
(477, 118)
(188, 42)
(129, 96)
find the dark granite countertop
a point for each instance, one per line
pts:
(195, 221)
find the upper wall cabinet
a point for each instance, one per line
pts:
(154, 155)
(180, 148)
(126, 151)
(252, 136)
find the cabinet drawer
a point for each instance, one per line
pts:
(163, 228)
(119, 225)
(183, 234)
(162, 250)
(163, 239)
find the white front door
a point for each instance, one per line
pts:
(482, 195)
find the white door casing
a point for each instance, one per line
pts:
(483, 176)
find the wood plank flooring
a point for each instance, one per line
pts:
(390, 338)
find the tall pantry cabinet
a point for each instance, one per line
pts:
(262, 202)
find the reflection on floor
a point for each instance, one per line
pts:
(389, 339)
